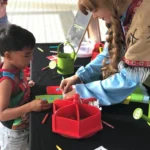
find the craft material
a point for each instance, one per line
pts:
(101, 148)
(138, 95)
(49, 98)
(55, 46)
(107, 124)
(45, 118)
(53, 90)
(42, 75)
(45, 68)
(54, 52)
(100, 49)
(58, 147)
(40, 49)
(52, 57)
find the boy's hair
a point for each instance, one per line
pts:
(115, 35)
(15, 38)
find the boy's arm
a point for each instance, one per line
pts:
(7, 113)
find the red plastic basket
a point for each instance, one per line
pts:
(75, 119)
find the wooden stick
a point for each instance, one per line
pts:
(44, 119)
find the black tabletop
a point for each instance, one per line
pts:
(128, 133)
(49, 76)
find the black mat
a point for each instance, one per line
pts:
(128, 133)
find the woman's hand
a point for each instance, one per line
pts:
(69, 94)
(66, 84)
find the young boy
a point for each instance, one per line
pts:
(16, 46)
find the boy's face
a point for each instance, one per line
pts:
(21, 59)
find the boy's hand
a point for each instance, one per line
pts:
(40, 105)
(31, 83)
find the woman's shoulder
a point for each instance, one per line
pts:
(141, 16)
(140, 23)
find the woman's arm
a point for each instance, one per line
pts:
(91, 71)
(110, 91)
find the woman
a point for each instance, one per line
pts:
(125, 61)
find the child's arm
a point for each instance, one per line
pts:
(7, 113)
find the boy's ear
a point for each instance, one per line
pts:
(7, 55)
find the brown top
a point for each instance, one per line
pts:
(138, 37)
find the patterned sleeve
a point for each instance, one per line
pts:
(91, 72)
(138, 38)
(112, 90)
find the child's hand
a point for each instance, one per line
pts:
(40, 105)
(68, 82)
(69, 94)
(31, 83)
